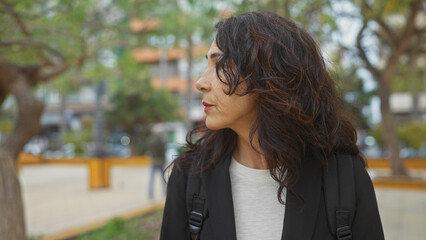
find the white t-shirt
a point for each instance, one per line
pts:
(258, 213)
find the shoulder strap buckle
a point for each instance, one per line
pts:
(195, 221)
(344, 233)
(196, 216)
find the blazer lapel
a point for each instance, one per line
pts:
(217, 185)
(301, 215)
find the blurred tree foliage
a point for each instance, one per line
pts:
(313, 15)
(412, 134)
(40, 41)
(391, 34)
(411, 77)
(350, 86)
(136, 102)
(376, 131)
(58, 31)
(186, 21)
(7, 121)
(80, 138)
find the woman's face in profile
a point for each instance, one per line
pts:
(224, 111)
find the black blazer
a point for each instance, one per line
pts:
(302, 221)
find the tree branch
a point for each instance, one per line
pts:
(49, 70)
(405, 40)
(389, 34)
(21, 25)
(411, 21)
(28, 41)
(419, 31)
(361, 53)
(35, 44)
(56, 9)
(47, 73)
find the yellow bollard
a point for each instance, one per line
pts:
(99, 173)
(106, 170)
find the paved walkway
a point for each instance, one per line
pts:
(58, 198)
(403, 213)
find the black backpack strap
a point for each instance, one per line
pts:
(195, 205)
(196, 217)
(339, 192)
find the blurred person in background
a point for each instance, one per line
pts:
(157, 151)
(273, 132)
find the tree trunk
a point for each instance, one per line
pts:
(415, 112)
(12, 224)
(14, 81)
(389, 132)
(398, 45)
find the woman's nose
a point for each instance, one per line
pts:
(202, 84)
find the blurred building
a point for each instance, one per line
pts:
(407, 107)
(77, 105)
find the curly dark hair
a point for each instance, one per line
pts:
(298, 107)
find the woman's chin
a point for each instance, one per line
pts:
(212, 125)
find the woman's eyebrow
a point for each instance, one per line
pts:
(213, 55)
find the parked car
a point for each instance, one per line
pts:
(117, 150)
(66, 151)
(32, 148)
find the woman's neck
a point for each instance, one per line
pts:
(246, 155)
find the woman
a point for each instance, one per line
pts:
(273, 122)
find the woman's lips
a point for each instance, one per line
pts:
(207, 106)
